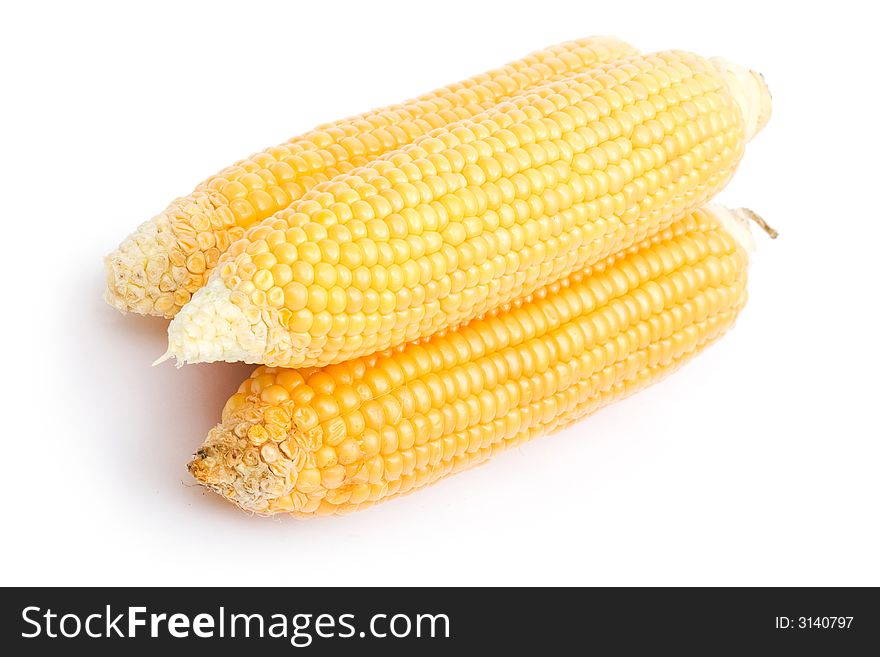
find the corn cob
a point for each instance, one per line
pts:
(158, 268)
(477, 214)
(339, 438)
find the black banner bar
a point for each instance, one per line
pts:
(437, 621)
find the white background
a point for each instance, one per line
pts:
(756, 464)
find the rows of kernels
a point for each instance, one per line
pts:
(286, 171)
(336, 379)
(415, 415)
(528, 337)
(647, 366)
(219, 210)
(466, 219)
(462, 442)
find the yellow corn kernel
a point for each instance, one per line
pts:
(442, 405)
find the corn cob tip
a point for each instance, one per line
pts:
(140, 276)
(736, 223)
(224, 465)
(750, 91)
(212, 328)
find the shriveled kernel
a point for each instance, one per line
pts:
(276, 416)
(257, 434)
(334, 431)
(270, 453)
(196, 263)
(263, 280)
(275, 298)
(304, 416)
